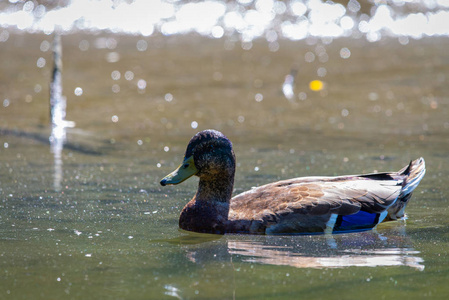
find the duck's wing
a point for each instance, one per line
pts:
(320, 195)
(315, 200)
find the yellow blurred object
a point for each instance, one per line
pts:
(316, 85)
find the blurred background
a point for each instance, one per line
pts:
(301, 88)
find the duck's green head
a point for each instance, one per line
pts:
(209, 154)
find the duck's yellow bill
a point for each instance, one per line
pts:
(185, 170)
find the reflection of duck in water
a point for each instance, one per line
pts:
(366, 249)
(300, 205)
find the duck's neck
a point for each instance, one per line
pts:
(218, 189)
(208, 210)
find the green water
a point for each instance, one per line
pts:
(104, 228)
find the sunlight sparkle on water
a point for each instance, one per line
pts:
(141, 84)
(115, 88)
(4, 36)
(168, 97)
(129, 75)
(41, 62)
(373, 96)
(321, 72)
(345, 53)
(84, 45)
(115, 75)
(309, 57)
(142, 45)
(78, 91)
(112, 57)
(45, 46)
(37, 88)
(292, 19)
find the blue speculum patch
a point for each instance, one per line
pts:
(359, 221)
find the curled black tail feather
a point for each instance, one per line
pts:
(413, 173)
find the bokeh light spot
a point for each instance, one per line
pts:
(78, 91)
(345, 53)
(141, 84)
(316, 85)
(41, 62)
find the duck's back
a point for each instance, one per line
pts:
(313, 204)
(326, 204)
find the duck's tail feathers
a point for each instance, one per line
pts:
(413, 173)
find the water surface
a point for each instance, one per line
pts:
(95, 223)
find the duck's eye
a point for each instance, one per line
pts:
(185, 166)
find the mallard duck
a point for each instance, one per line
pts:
(306, 205)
